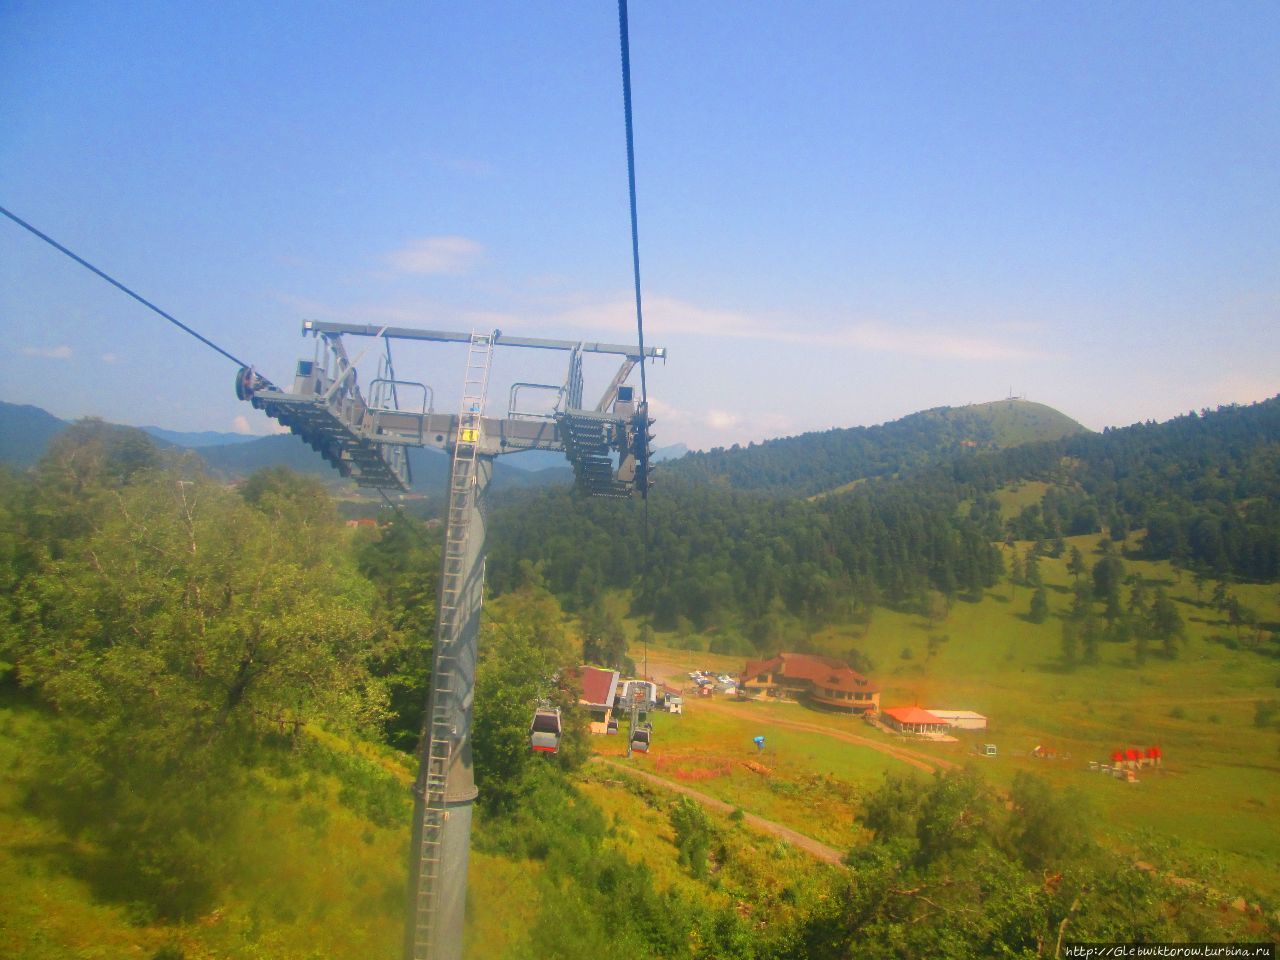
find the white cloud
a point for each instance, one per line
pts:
(720, 420)
(110, 358)
(436, 255)
(267, 427)
(667, 316)
(715, 427)
(661, 313)
(49, 353)
(934, 344)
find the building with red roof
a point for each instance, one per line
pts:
(806, 676)
(914, 720)
(599, 688)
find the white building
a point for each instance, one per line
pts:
(960, 719)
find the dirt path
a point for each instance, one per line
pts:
(811, 846)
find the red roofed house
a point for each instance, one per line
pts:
(914, 720)
(821, 680)
(599, 687)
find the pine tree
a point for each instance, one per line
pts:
(1070, 643)
(1075, 563)
(1166, 623)
(1039, 611)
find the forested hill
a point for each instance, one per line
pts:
(1203, 489)
(819, 462)
(25, 432)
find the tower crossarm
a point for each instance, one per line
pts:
(319, 327)
(367, 439)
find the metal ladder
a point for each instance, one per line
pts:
(440, 727)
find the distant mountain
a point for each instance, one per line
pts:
(283, 450)
(25, 432)
(831, 460)
(203, 438)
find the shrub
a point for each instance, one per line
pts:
(694, 833)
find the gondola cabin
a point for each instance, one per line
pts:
(640, 738)
(611, 727)
(544, 732)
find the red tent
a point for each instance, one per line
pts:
(1117, 756)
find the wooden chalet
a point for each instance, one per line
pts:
(804, 676)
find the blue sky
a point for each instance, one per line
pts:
(848, 211)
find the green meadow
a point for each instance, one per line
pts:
(1210, 811)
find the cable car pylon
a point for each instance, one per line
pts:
(367, 439)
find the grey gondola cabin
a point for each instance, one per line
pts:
(640, 739)
(544, 732)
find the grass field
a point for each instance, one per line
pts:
(1211, 810)
(309, 873)
(747, 868)
(802, 780)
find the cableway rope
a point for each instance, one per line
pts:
(120, 286)
(631, 184)
(625, 42)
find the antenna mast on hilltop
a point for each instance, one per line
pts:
(367, 439)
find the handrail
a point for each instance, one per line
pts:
(513, 413)
(428, 395)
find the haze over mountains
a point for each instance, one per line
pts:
(807, 463)
(26, 430)
(807, 466)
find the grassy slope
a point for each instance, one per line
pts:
(1211, 809)
(1010, 424)
(750, 871)
(1022, 421)
(314, 878)
(311, 876)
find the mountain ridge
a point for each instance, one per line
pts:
(822, 462)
